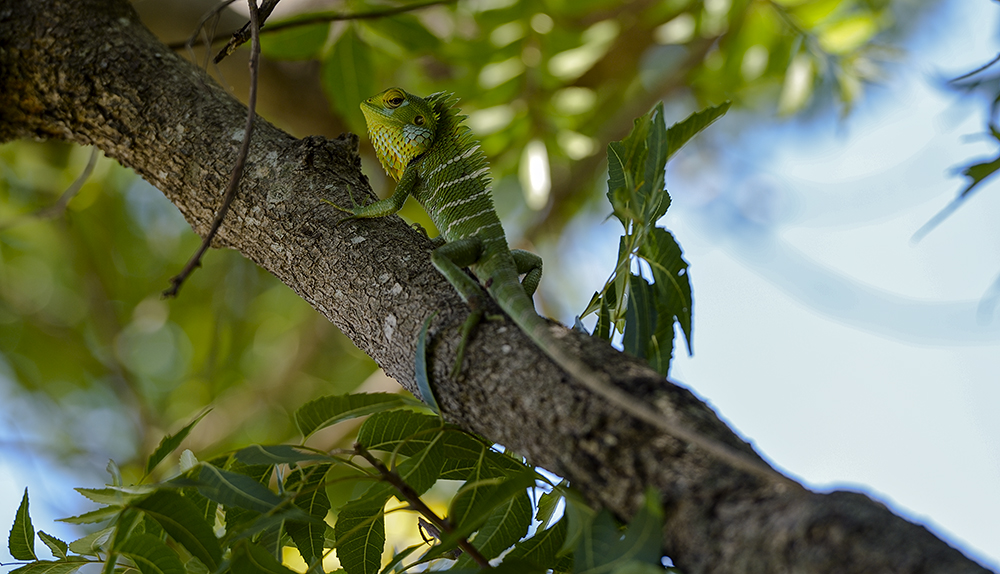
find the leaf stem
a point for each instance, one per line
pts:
(411, 496)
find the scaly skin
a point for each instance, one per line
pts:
(423, 144)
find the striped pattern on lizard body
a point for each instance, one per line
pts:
(452, 176)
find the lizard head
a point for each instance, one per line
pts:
(401, 127)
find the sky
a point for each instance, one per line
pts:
(851, 357)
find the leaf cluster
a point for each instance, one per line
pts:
(645, 311)
(241, 511)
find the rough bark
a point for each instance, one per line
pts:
(87, 71)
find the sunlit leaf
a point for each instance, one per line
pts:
(474, 502)
(682, 132)
(114, 495)
(169, 443)
(92, 543)
(325, 411)
(250, 558)
(56, 546)
(185, 523)
(94, 516)
(403, 431)
(361, 536)
(547, 505)
(543, 548)
(393, 564)
(311, 498)
(848, 34)
(507, 524)
(640, 317)
(235, 490)
(151, 555)
(21, 541)
(276, 454)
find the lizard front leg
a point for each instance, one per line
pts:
(386, 206)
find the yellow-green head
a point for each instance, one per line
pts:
(401, 127)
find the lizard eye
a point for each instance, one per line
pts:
(394, 102)
(419, 120)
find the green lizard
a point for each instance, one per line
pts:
(425, 146)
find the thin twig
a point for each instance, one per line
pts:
(240, 37)
(56, 209)
(244, 34)
(200, 28)
(976, 71)
(234, 181)
(411, 496)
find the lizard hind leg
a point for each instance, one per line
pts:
(530, 265)
(449, 260)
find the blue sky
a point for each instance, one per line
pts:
(850, 356)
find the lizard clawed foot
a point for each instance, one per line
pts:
(353, 211)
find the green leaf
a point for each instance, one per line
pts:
(92, 543)
(250, 558)
(169, 443)
(640, 317)
(423, 468)
(56, 546)
(468, 458)
(595, 550)
(653, 195)
(406, 31)
(682, 132)
(99, 515)
(474, 502)
(604, 548)
(408, 431)
(21, 541)
(49, 567)
(672, 280)
(295, 43)
(347, 77)
(277, 454)
(578, 516)
(643, 539)
(330, 410)
(115, 472)
(547, 505)
(399, 557)
(310, 497)
(115, 495)
(360, 539)
(507, 524)
(151, 555)
(125, 527)
(235, 490)
(185, 523)
(543, 548)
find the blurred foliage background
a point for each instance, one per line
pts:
(96, 365)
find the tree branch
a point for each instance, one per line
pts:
(87, 71)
